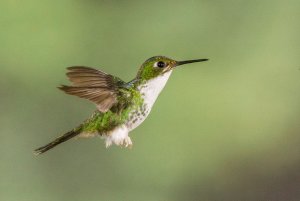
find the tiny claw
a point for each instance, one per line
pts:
(127, 142)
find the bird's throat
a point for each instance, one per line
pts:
(149, 91)
(152, 88)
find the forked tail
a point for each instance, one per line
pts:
(58, 141)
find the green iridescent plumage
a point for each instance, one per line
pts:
(119, 114)
(147, 71)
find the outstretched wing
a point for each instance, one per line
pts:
(94, 85)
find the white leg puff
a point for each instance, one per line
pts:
(118, 136)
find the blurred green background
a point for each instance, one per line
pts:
(227, 129)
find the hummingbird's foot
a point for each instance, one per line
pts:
(127, 142)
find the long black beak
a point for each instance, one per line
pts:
(190, 61)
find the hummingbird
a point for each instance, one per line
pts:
(121, 106)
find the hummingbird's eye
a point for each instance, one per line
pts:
(161, 64)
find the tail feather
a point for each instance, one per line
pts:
(57, 141)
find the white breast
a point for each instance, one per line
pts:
(150, 91)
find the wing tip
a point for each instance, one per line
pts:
(64, 88)
(74, 68)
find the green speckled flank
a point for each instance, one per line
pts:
(117, 115)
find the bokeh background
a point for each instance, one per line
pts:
(227, 129)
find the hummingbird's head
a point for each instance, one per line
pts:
(158, 65)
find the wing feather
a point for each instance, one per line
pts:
(94, 85)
